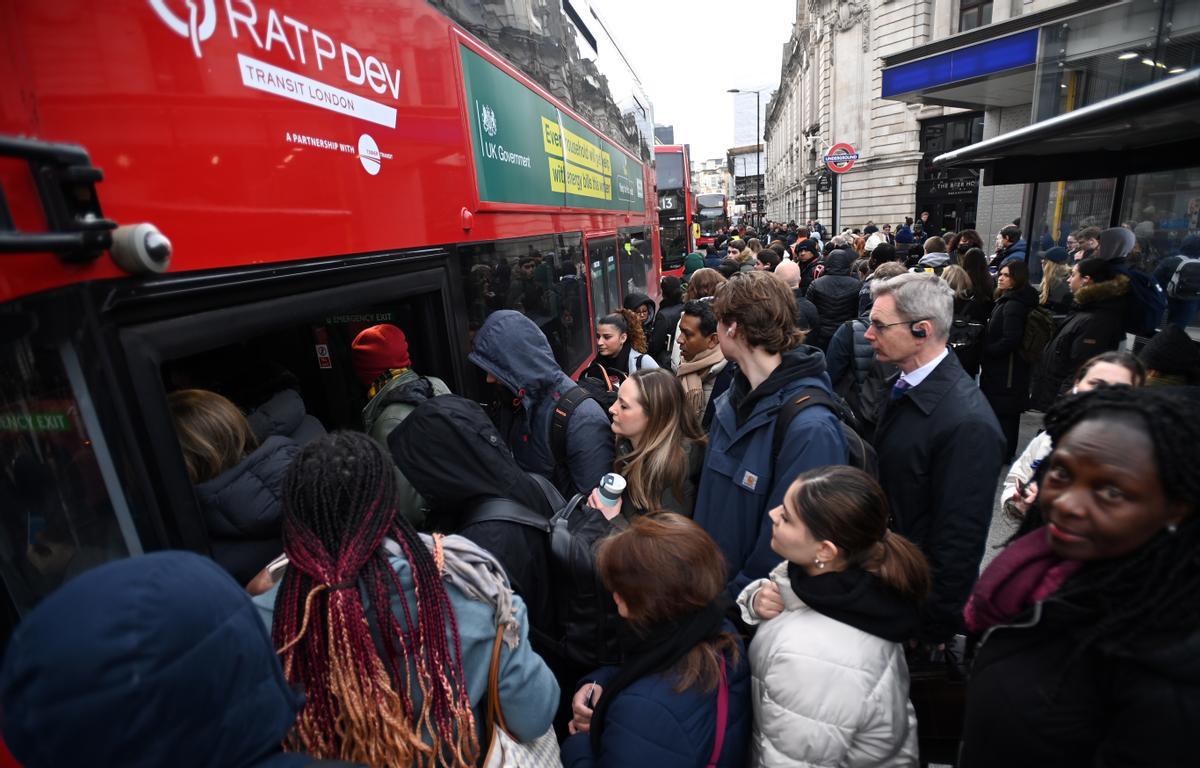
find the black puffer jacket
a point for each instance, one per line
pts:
(1005, 373)
(1097, 325)
(243, 507)
(1034, 700)
(835, 293)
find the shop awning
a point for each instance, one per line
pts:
(1153, 128)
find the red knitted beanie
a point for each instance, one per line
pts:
(377, 349)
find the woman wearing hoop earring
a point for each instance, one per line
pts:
(834, 615)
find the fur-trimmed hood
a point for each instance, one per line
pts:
(1097, 292)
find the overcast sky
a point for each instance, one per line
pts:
(688, 53)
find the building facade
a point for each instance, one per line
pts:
(831, 92)
(1026, 62)
(710, 176)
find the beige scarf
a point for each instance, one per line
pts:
(692, 374)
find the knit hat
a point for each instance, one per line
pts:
(1057, 254)
(377, 349)
(874, 240)
(1171, 351)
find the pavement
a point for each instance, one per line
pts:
(1002, 527)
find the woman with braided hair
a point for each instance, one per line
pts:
(1091, 623)
(389, 641)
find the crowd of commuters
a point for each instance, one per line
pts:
(809, 430)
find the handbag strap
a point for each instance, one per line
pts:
(722, 717)
(495, 714)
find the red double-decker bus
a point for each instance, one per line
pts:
(676, 204)
(712, 213)
(280, 174)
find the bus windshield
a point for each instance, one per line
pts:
(668, 170)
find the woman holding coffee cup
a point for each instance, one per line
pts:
(659, 452)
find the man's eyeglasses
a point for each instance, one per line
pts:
(881, 327)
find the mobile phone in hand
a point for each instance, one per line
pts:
(276, 567)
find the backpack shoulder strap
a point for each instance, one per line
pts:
(504, 511)
(563, 409)
(809, 396)
(553, 496)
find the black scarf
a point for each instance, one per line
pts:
(657, 651)
(858, 598)
(618, 363)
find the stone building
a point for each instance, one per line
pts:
(831, 92)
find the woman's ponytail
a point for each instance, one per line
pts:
(637, 335)
(846, 506)
(901, 566)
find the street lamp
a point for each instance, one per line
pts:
(757, 140)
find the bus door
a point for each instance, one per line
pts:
(602, 274)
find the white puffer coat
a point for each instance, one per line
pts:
(824, 692)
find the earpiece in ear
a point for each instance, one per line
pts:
(920, 333)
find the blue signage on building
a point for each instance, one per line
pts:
(973, 61)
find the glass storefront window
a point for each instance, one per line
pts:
(1113, 50)
(541, 277)
(63, 510)
(1163, 210)
(1062, 208)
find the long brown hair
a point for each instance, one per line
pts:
(659, 462)
(664, 567)
(846, 506)
(627, 322)
(212, 432)
(1018, 277)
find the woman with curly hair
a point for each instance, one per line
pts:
(1091, 622)
(621, 343)
(389, 633)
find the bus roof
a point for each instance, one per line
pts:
(248, 136)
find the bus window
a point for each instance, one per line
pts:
(636, 259)
(63, 510)
(540, 277)
(602, 263)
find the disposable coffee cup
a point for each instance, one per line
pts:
(611, 487)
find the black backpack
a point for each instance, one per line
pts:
(586, 624)
(602, 383)
(966, 339)
(865, 399)
(861, 454)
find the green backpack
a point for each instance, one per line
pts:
(1039, 330)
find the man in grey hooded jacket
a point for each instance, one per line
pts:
(515, 354)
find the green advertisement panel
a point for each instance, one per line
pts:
(528, 152)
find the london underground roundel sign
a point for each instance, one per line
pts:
(840, 158)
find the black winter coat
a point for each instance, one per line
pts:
(662, 337)
(835, 295)
(940, 451)
(1097, 325)
(807, 316)
(243, 508)
(1027, 704)
(1005, 374)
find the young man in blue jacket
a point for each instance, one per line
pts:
(743, 480)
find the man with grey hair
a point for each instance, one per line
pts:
(940, 446)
